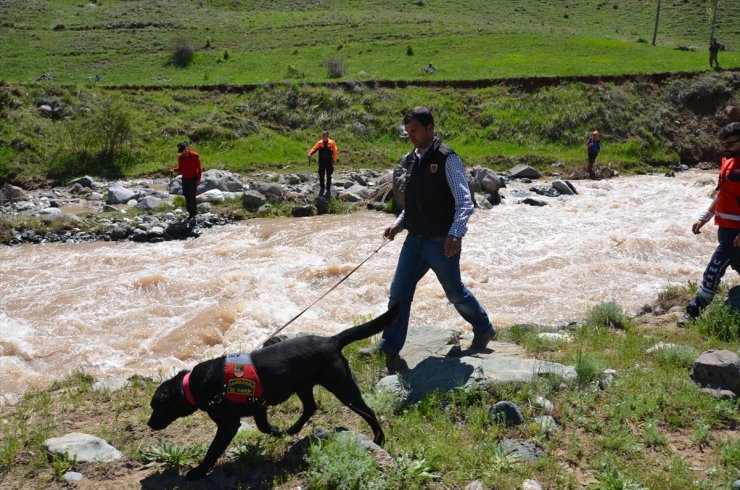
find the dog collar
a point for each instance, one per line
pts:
(186, 389)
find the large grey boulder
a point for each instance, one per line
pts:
(399, 185)
(356, 193)
(440, 359)
(117, 194)
(252, 200)
(149, 203)
(86, 448)
(221, 180)
(12, 193)
(522, 171)
(564, 187)
(85, 181)
(718, 369)
(485, 181)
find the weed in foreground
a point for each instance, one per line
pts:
(340, 463)
(720, 322)
(588, 368)
(62, 463)
(608, 314)
(679, 356)
(170, 455)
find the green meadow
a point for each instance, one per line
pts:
(240, 42)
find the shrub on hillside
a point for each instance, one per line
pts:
(335, 67)
(183, 53)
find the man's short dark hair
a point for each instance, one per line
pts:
(732, 129)
(181, 146)
(421, 114)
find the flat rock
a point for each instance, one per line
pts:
(85, 447)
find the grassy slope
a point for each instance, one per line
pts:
(477, 39)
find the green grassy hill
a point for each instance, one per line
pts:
(238, 42)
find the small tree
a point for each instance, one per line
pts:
(335, 67)
(183, 53)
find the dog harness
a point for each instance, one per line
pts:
(241, 383)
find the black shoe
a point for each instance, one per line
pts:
(394, 363)
(481, 341)
(685, 320)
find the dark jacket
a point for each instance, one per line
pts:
(430, 205)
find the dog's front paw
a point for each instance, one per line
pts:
(276, 431)
(196, 473)
(293, 430)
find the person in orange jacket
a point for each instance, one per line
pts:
(327, 158)
(188, 165)
(725, 209)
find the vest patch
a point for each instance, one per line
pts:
(433, 168)
(241, 383)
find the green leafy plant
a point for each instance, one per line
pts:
(416, 471)
(62, 463)
(679, 356)
(170, 454)
(588, 367)
(720, 322)
(608, 314)
(610, 479)
(340, 463)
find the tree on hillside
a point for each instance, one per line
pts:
(657, 20)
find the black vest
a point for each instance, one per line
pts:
(430, 205)
(326, 154)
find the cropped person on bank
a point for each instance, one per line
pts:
(725, 209)
(592, 146)
(438, 205)
(188, 165)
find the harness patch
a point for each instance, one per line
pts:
(433, 168)
(241, 383)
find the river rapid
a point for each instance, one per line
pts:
(118, 309)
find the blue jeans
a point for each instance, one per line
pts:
(726, 255)
(418, 255)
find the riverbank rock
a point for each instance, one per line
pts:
(12, 193)
(717, 369)
(440, 359)
(84, 447)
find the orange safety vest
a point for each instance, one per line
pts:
(727, 209)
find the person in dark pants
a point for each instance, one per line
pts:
(188, 164)
(713, 51)
(592, 146)
(438, 205)
(327, 158)
(725, 209)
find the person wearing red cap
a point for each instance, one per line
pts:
(593, 146)
(188, 164)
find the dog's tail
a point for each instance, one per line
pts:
(368, 329)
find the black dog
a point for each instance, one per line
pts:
(292, 366)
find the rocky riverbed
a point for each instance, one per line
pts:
(151, 210)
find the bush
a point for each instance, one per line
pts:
(608, 314)
(335, 67)
(588, 368)
(720, 322)
(340, 463)
(679, 356)
(183, 53)
(409, 51)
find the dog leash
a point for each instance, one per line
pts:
(385, 242)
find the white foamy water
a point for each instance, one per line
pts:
(116, 309)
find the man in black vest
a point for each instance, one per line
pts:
(327, 149)
(437, 207)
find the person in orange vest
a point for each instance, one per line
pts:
(593, 146)
(188, 165)
(327, 158)
(725, 209)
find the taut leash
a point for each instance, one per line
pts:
(385, 242)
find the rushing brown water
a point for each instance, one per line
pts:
(116, 309)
